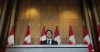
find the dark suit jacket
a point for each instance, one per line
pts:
(52, 43)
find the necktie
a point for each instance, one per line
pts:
(48, 42)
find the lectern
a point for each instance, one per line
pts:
(47, 48)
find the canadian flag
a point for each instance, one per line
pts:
(27, 40)
(71, 36)
(57, 35)
(87, 40)
(43, 36)
(99, 34)
(11, 36)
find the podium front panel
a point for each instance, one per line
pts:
(47, 48)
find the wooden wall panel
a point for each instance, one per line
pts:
(50, 13)
(49, 16)
(35, 28)
(69, 13)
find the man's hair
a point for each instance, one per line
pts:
(47, 31)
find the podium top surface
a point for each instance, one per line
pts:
(48, 46)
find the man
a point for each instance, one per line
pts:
(49, 40)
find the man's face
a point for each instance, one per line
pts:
(49, 35)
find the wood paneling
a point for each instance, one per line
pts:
(50, 13)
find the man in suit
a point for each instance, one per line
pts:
(49, 40)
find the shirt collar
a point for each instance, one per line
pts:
(49, 39)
